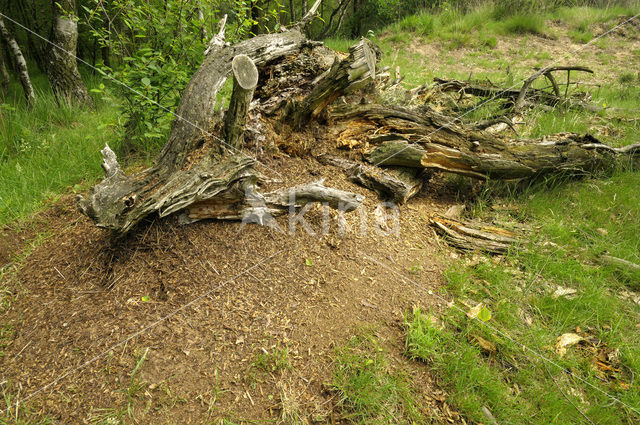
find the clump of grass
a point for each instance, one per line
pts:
(272, 362)
(48, 148)
(370, 392)
(582, 37)
(422, 24)
(627, 78)
(524, 24)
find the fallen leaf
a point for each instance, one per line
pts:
(487, 346)
(480, 312)
(565, 341)
(563, 292)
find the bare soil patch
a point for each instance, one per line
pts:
(87, 307)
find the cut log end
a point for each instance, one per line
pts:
(245, 72)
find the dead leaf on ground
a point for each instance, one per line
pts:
(563, 292)
(487, 346)
(565, 341)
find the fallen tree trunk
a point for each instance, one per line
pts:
(396, 183)
(198, 172)
(421, 139)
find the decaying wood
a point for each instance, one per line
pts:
(474, 236)
(197, 108)
(620, 263)
(346, 76)
(259, 208)
(398, 184)
(203, 172)
(245, 79)
(527, 96)
(217, 181)
(422, 139)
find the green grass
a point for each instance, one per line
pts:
(45, 150)
(574, 223)
(369, 390)
(277, 360)
(19, 415)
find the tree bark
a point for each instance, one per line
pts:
(245, 79)
(5, 79)
(20, 63)
(198, 173)
(62, 69)
(426, 140)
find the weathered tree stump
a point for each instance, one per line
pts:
(245, 79)
(214, 182)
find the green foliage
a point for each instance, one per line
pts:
(156, 45)
(48, 148)
(275, 361)
(370, 392)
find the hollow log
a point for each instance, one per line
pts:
(245, 79)
(421, 139)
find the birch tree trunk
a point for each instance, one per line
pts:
(4, 74)
(20, 63)
(62, 69)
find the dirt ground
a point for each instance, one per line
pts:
(204, 300)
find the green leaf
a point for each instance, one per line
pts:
(484, 314)
(146, 298)
(146, 81)
(308, 262)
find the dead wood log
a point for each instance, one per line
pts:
(421, 139)
(245, 79)
(196, 166)
(474, 236)
(259, 208)
(346, 76)
(396, 183)
(620, 263)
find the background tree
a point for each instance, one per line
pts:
(62, 68)
(19, 63)
(4, 74)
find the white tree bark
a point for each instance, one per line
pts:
(20, 63)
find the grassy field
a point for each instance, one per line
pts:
(499, 366)
(507, 370)
(49, 149)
